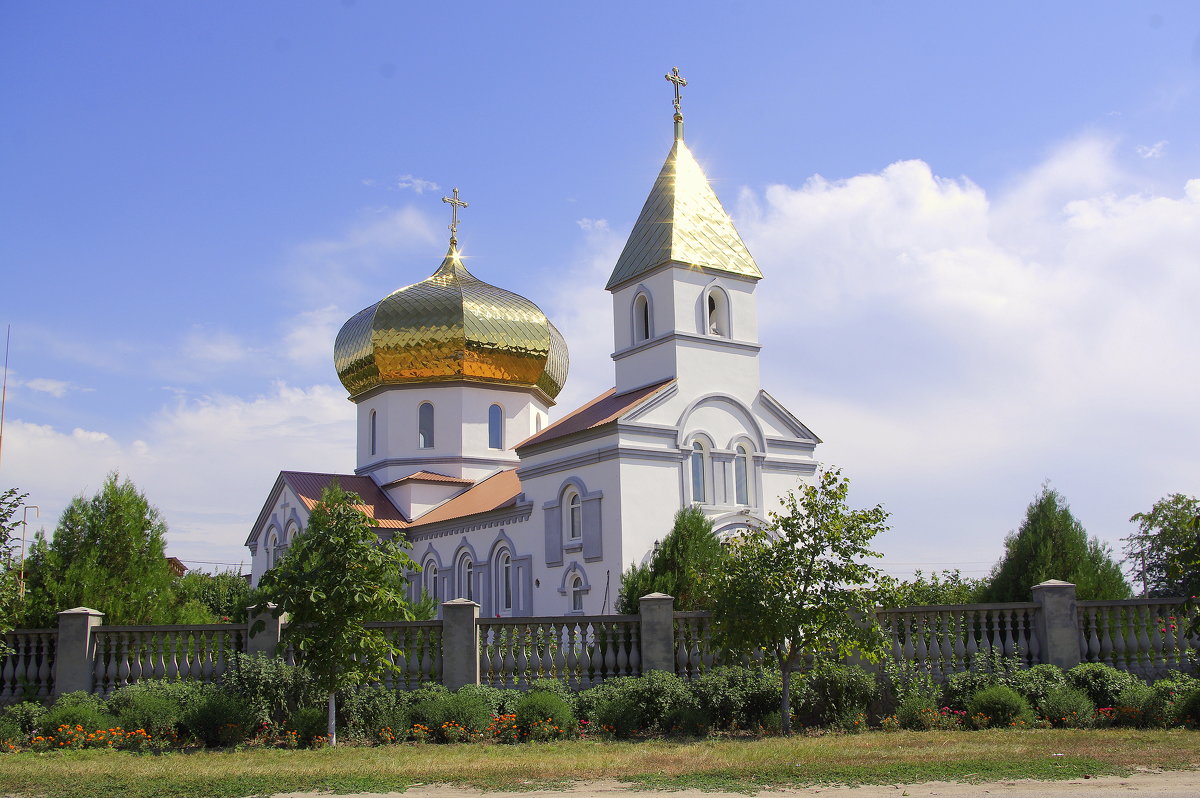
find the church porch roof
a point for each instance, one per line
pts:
(604, 409)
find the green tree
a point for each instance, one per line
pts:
(939, 587)
(1052, 544)
(801, 587)
(10, 585)
(223, 596)
(682, 565)
(337, 575)
(107, 553)
(1164, 550)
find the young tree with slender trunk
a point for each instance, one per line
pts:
(336, 576)
(801, 587)
(1164, 550)
(10, 586)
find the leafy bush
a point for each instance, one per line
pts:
(1130, 708)
(1162, 709)
(465, 710)
(903, 680)
(1037, 682)
(366, 710)
(650, 703)
(556, 686)
(1068, 708)
(540, 706)
(10, 731)
(987, 670)
(836, 694)
(219, 717)
(997, 707)
(500, 702)
(27, 715)
(732, 697)
(918, 711)
(78, 708)
(270, 687)
(156, 705)
(309, 724)
(1187, 709)
(1103, 683)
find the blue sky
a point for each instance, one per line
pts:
(976, 227)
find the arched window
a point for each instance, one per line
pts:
(425, 426)
(741, 475)
(496, 427)
(641, 319)
(466, 578)
(576, 594)
(505, 593)
(717, 313)
(272, 545)
(431, 579)
(574, 506)
(699, 472)
(374, 431)
(538, 421)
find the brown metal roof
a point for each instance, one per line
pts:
(605, 408)
(308, 487)
(430, 476)
(499, 490)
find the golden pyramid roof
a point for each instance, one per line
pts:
(451, 326)
(683, 221)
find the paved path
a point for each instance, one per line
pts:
(1174, 784)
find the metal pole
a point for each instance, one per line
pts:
(37, 513)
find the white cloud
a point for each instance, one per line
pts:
(215, 347)
(1155, 150)
(56, 388)
(416, 184)
(308, 339)
(206, 463)
(593, 225)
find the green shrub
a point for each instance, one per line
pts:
(649, 703)
(1068, 708)
(219, 717)
(78, 708)
(918, 711)
(155, 714)
(270, 688)
(540, 706)
(1103, 683)
(27, 715)
(10, 731)
(835, 694)
(465, 710)
(902, 680)
(1187, 709)
(737, 698)
(1037, 682)
(366, 710)
(1162, 710)
(309, 724)
(499, 701)
(986, 671)
(556, 686)
(1130, 708)
(998, 706)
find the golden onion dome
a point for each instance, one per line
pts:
(451, 326)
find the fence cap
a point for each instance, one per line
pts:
(1054, 583)
(82, 611)
(656, 596)
(458, 602)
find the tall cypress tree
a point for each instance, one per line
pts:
(1052, 544)
(682, 566)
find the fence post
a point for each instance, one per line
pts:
(460, 643)
(1057, 623)
(74, 659)
(266, 641)
(657, 611)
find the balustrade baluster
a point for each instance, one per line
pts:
(100, 665)
(521, 638)
(959, 621)
(1129, 623)
(635, 650)
(124, 669)
(922, 651)
(970, 624)
(1145, 663)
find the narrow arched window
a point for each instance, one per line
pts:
(431, 579)
(575, 516)
(741, 475)
(538, 421)
(496, 427)
(374, 431)
(425, 426)
(717, 321)
(466, 578)
(699, 472)
(272, 545)
(641, 319)
(504, 571)
(576, 594)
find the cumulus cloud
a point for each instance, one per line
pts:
(1155, 150)
(416, 184)
(56, 388)
(308, 339)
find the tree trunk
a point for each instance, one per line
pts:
(785, 703)
(332, 728)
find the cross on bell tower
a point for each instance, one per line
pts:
(680, 81)
(455, 203)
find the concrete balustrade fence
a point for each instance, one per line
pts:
(1147, 637)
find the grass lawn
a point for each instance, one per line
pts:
(727, 764)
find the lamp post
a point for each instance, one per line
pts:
(37, 513)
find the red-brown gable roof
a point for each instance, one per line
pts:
(430, 476)
(308, 487)
(499, 490)
(605, 408)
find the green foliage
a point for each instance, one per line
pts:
(683, 566)
(1162, 709)
(540, 705)
(738, 698)
(156, 705)
(223, 596)
(367, 709)
(1132, 705)
(835, 691)
(998, 707)
(1037, 682)
(158, 715)
(1052, 544)
(1187, 709)
(269, 687)
(336, 576)
(1067, 708)
(27, 715)
(10, 731)
(1165, 549)
(107, 553)
(78, 708)
(801, 586)
(651, 703)
(989, 670)
(499, 701)
(218, 717)
(917, 711)
(468, 710)
(10, 585)
(309, 723)
(905, 680)
(1102, 683)
(940, 587)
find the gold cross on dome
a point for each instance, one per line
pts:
(454, 204)
(679, 80)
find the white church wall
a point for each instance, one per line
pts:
(287, 518)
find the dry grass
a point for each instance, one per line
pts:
(715, 764)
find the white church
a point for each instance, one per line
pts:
(454, 380)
